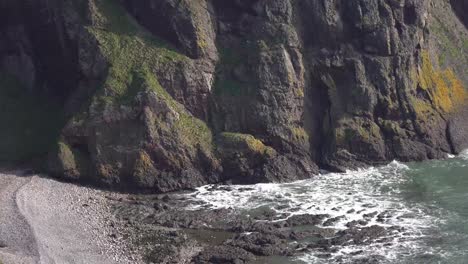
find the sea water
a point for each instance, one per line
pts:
(428, 199)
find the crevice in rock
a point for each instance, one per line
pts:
(449, 138)
(410, 15)
(145, 11)
(379, 113)
(320, 109)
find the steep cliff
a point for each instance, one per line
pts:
(172, 94)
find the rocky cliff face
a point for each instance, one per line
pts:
(172, 94)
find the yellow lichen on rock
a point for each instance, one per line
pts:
(248, 142)
(299, 134)
(107, 171)
(143, 162)
(144, 166)
(422, 107)
(442, 86)
(459, 93)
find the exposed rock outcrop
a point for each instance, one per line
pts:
(171, 94)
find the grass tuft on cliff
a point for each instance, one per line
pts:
(133, 55)
(131, 52)
(31, 124)
(246, 141)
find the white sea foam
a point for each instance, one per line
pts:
(348, 195)
(464, 154)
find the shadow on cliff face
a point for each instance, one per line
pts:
(460, 7)
(30, 124)
(38, 72)
(35, 47)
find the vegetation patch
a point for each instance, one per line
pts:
(451, 48)
(299, 134)
(249, 142)
(195, 132)
(344, 135)
(70, 162)
(30, 123)
(144, 166)
(357, 130)
(132, 53)
(443, 88)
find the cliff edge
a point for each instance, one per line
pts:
(166, 95)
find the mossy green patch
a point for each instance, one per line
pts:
(195, 132)
(449, 43)
(143, 164)
(66, 155)
(31, 123)
(357, 130)
(345, 135)
(132, 53)
(299, 134)
(69, 161)
(246, 141)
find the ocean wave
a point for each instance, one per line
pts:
(464, 154)
(350, 196)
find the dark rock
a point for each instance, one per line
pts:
(370, 260)
(241, 92)
(456, 127)
(306, 219)
(222, 255)
(356, 223)
(370, 215)
(262, 244)
(332, 221)
(359, 236)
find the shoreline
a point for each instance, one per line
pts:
(229, 223)
(67, 223)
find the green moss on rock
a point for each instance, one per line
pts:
(131, 52)
(134, 57)
(144, 170)
(68, 162)
(237, 141)
(195, 132)
(299, 135)
(448, 42)
(357, 130)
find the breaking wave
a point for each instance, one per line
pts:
(351, 196)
